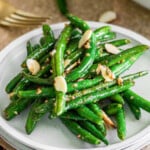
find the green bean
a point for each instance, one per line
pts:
(106, 37)
(44, 92)
(74, 56)
(60, 48)
(93, 129)
(85, 112)
(86, 62)
(113, 108)
(100, 53)
(72, 115)
(77, 22)
(25, 82)
(48, 35)
(29, 48)
(44, 60)
(121, 124)
(59, 67)
(62, 5)
(33, 117)
(13, 96)
(96, 109)
(113, 59)
(72, 46)
(16, 107)
(22, 84)
(97, 96)
(137, 100)
(13, 82)
(120, 42)
(39, 53)
(44, 70)
(122, 56)
(45, 107)
(53, 65)
(36, 47)
(59, 104)
(42, 41)
(102, 31)
(47, 31)
(134, 109)
(80, 132)
(37, 80)
(117, 98)
(102, 129)
(76, 34)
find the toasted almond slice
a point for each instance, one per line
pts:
(60, 84)
(71, 67)
(87, 45)
(120, 81)
(33, 66)
(108, 16)
(111, 49)
(52, 52)
(107, 74)
(11, 94)
(66, 62)
(38, 91)
(98, 69)
(108, 121)
(85, 37)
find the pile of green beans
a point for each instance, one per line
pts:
(89, 102)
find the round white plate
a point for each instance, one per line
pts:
(52, 134)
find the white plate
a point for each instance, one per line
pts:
(52, 134)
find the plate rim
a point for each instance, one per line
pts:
(19, 136)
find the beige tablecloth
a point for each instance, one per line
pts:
(129, 15)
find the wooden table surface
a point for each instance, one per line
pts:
(129, 15)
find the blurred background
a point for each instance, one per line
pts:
(129, 14)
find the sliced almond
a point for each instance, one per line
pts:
(52, 52)
(11, 94)
(120, 81)
(60, 84)
(87, 45)
(108, 121)
(71, 67)
(111, 49)
(85, 38)
(107, 74)
(33, 66)
(38, 91)
(98, 69)
(66, 62)
(80, 79)
(108, 16)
